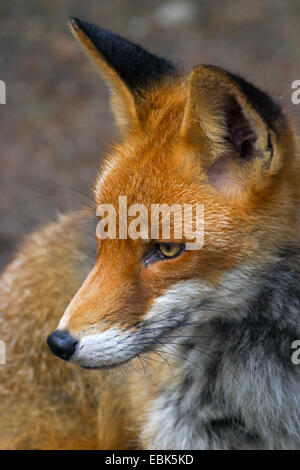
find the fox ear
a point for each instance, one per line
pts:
(127, 68)
(233, 128)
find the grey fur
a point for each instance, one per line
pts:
(238, 388)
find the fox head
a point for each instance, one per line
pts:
(208, 138)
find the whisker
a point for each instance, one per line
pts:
(205, 353)
(76, 191)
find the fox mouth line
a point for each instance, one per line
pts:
(107, 367)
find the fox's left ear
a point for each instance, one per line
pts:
(234, 128)
(128, 69)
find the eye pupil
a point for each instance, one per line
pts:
(170, 250)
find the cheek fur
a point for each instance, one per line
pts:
(115, 346)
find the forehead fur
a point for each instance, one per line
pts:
(149, 154)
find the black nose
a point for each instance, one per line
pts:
(62, 344)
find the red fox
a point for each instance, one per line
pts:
(189, 349)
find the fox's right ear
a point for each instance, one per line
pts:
(127, 68)
(237, 130)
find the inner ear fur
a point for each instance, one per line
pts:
(232, 126)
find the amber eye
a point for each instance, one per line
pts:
(170, 250)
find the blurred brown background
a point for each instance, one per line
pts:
(57, 123)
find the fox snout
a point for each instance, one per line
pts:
(62, 344)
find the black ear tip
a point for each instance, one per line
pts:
(89, 29)
(74, 22)
(77, 24)
(135, 66)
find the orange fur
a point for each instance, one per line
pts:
(46, 403)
